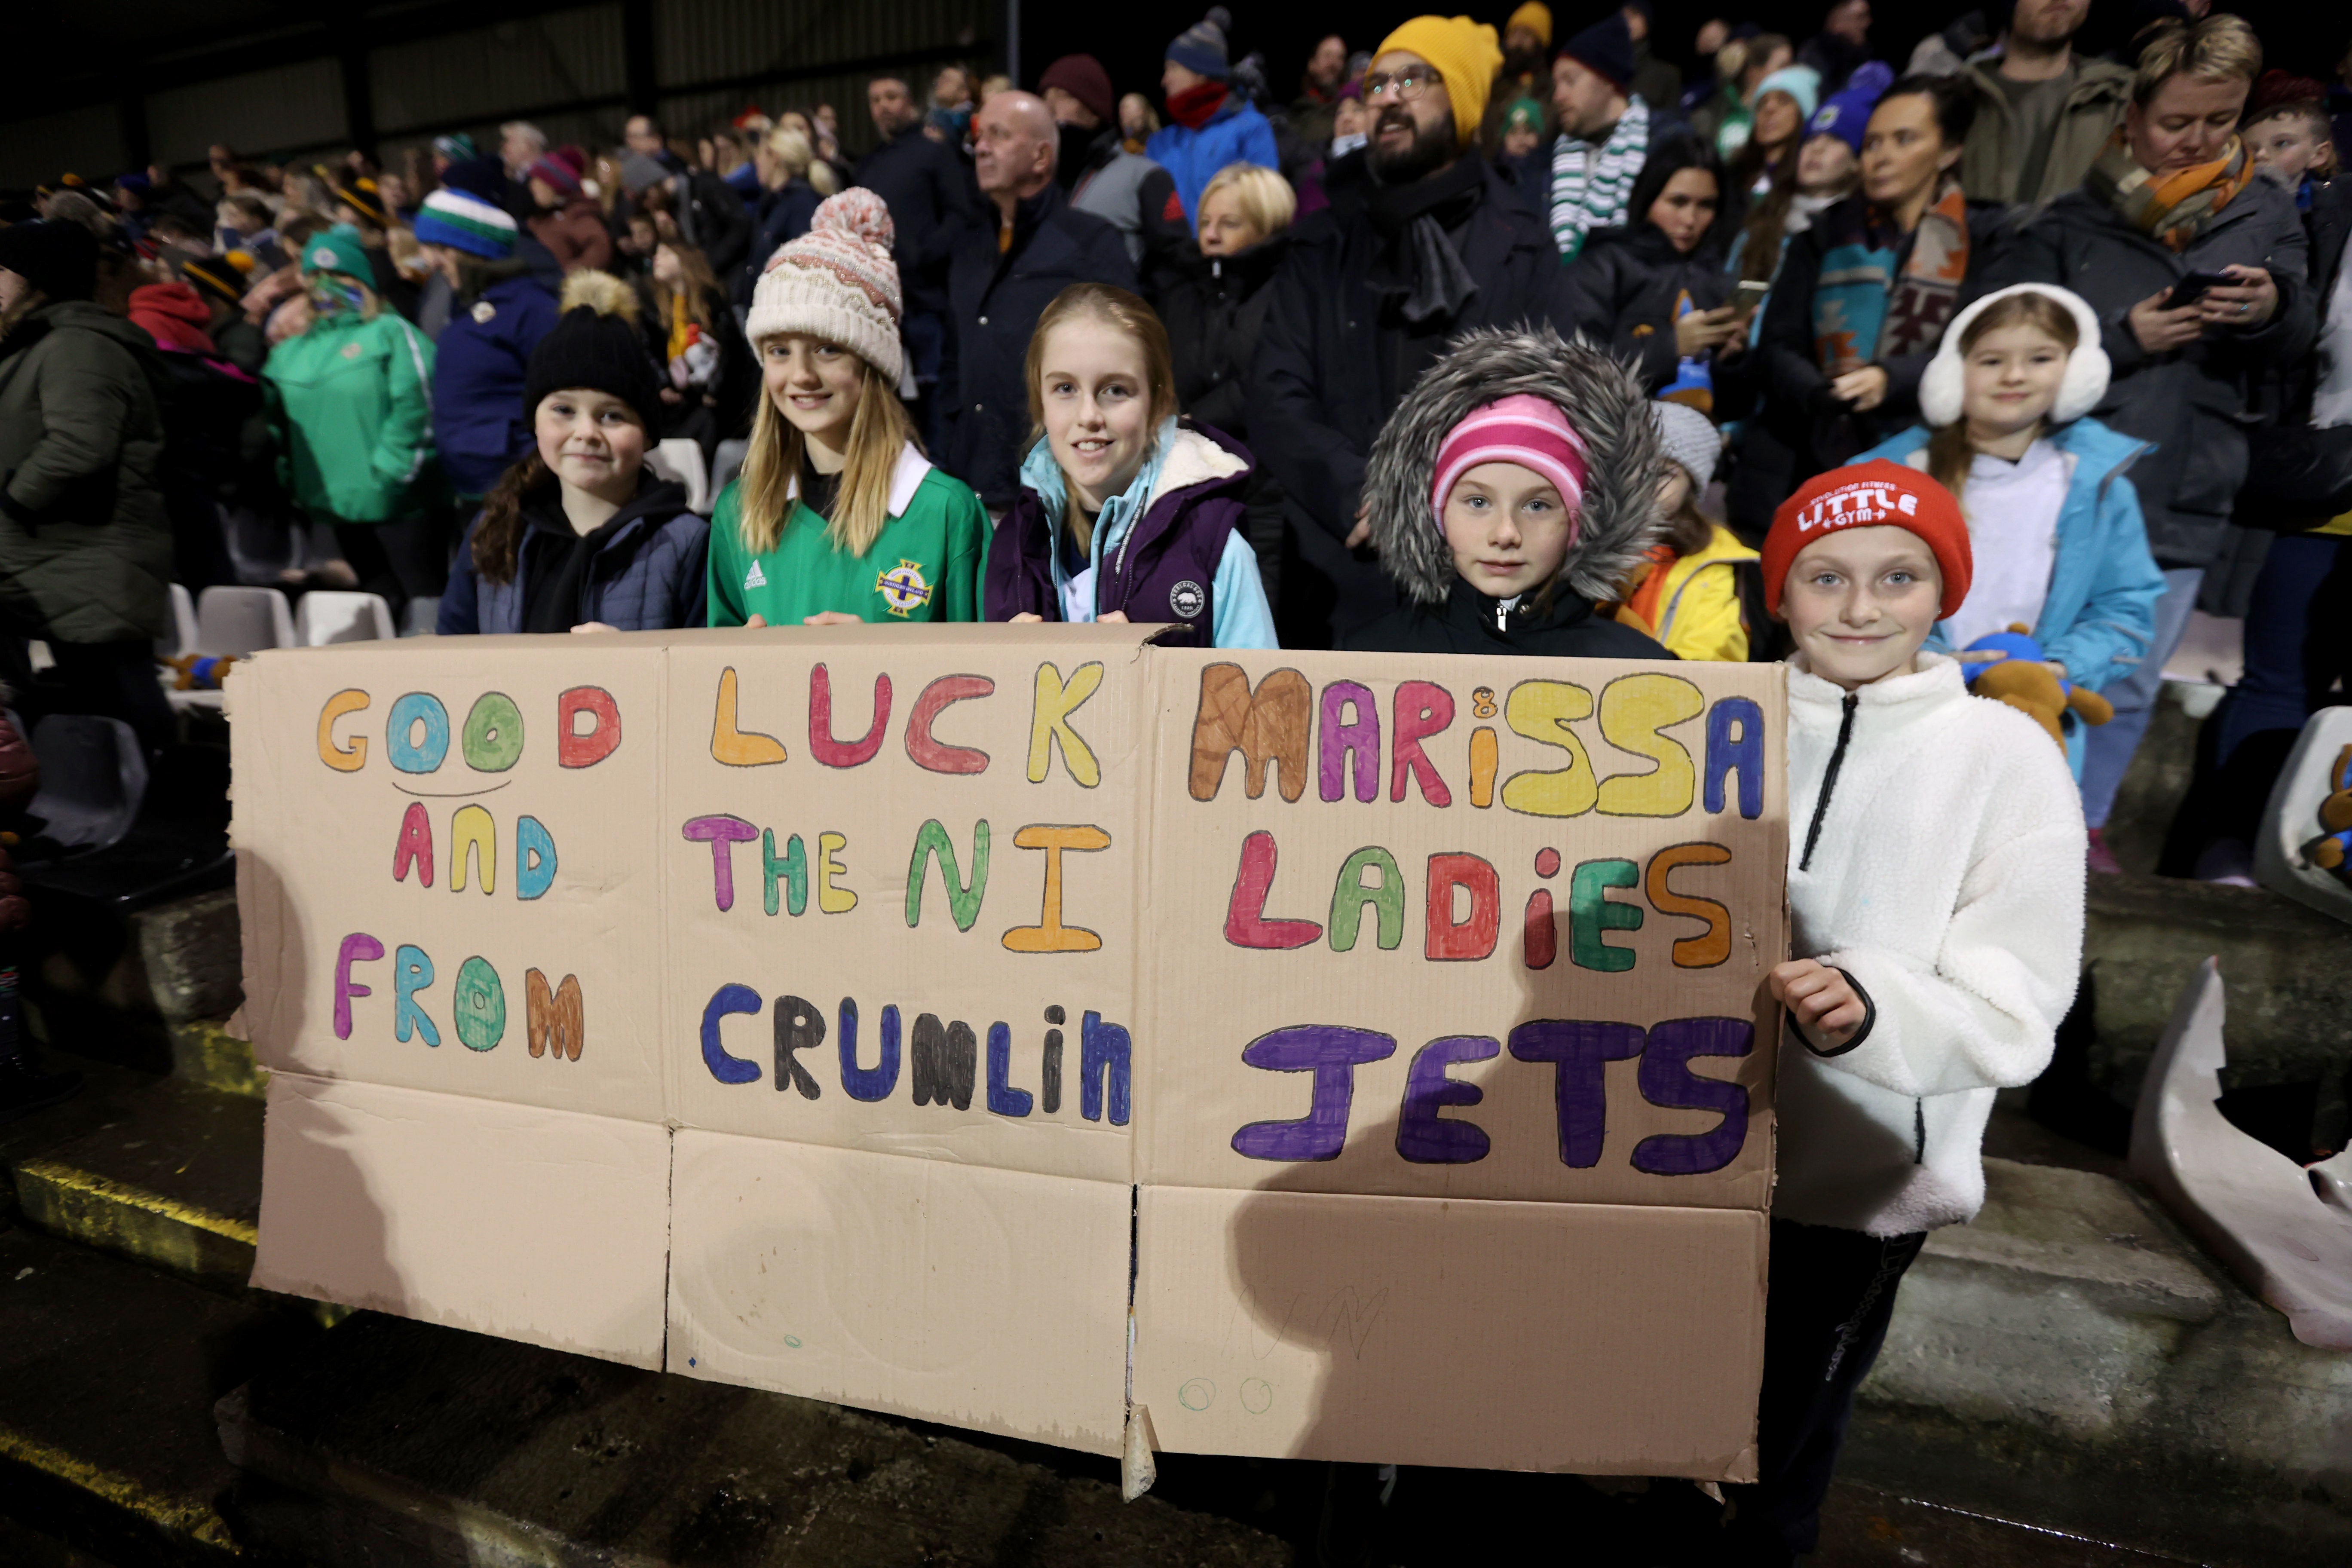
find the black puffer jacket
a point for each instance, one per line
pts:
(2190, 402)
(1628, 286)
(1214, 308)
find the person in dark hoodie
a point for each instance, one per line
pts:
(1127, 190)
(1654, 291)
(85, 547)
(499, 312)
(1515, 488)
(580, 535)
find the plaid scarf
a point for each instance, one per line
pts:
(2175, 208)
(1588, 187)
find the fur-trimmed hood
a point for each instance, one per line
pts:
(1603, 403)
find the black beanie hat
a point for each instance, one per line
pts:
(595, 345)
(57, 257)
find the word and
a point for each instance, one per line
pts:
(1580, 1053)
(942, 1057)
(556, 1016)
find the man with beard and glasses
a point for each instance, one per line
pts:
(1422, 241)
(1095, 171)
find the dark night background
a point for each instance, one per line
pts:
(2307, 39)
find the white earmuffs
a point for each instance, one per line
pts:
(1941, 385)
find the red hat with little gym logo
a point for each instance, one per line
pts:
(1877, 494)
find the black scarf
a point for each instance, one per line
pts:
(1419, 260)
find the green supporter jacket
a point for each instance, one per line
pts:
(351, 403)
(85, 549)
(925, 566)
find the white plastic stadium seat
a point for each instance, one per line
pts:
(243, 620)
(182, 637)
(325, 616)
(679, 460)
(726, 462)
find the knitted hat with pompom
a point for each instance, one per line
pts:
(836, 282)
(594, 344)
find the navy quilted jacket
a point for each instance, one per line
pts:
(647, 576)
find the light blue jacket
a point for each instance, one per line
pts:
(1237, 133)
(2100, 615)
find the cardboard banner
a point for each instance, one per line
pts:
(1352, 1055)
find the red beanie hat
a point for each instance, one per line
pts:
(1878, 494)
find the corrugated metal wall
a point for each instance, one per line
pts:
(292, 108)
(87, 141)
(567, 69)
(495, 73)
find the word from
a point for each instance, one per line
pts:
(556, 1025)
(1273, 728)
(1054, 699)
(474, 836)
(785, 878)
(1371, 879)
(944, 1058)
(1580, 1053)
(417, 732)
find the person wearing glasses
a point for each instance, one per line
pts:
(1428, 242)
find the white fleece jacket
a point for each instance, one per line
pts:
(1935, 856)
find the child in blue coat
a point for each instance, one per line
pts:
(2055, 525)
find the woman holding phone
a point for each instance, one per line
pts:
(1654, 292)
(2196, 268)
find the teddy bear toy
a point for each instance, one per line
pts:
(2332, 851)
(2018, 672)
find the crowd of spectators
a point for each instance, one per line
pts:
(312, 372)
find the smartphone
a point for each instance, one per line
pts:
(1750, 293)
(2192, 287)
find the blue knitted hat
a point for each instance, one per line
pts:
(1200, 48)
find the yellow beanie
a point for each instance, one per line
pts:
(1464, 52)
(1536, 19)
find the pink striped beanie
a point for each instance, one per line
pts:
(1529, 431)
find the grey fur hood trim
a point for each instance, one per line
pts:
(1605, 405)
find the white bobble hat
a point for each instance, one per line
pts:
(836, 282)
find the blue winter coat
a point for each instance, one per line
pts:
(479, 425)
(1237, 133)
(647, 576)
(2100, 614)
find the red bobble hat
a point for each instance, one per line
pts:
(1878, 494)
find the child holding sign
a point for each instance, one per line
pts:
(1513, 489)
(838, 516)
(1126, 512)
(580, 535)
(1935, 895)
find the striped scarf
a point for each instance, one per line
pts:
(1589, 188)
(2177, 208)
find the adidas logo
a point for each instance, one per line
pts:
(755, 578)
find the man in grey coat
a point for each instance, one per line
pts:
(85, 547)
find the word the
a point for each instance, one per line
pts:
(785, 878)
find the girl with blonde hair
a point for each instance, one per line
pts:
(837, 515)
